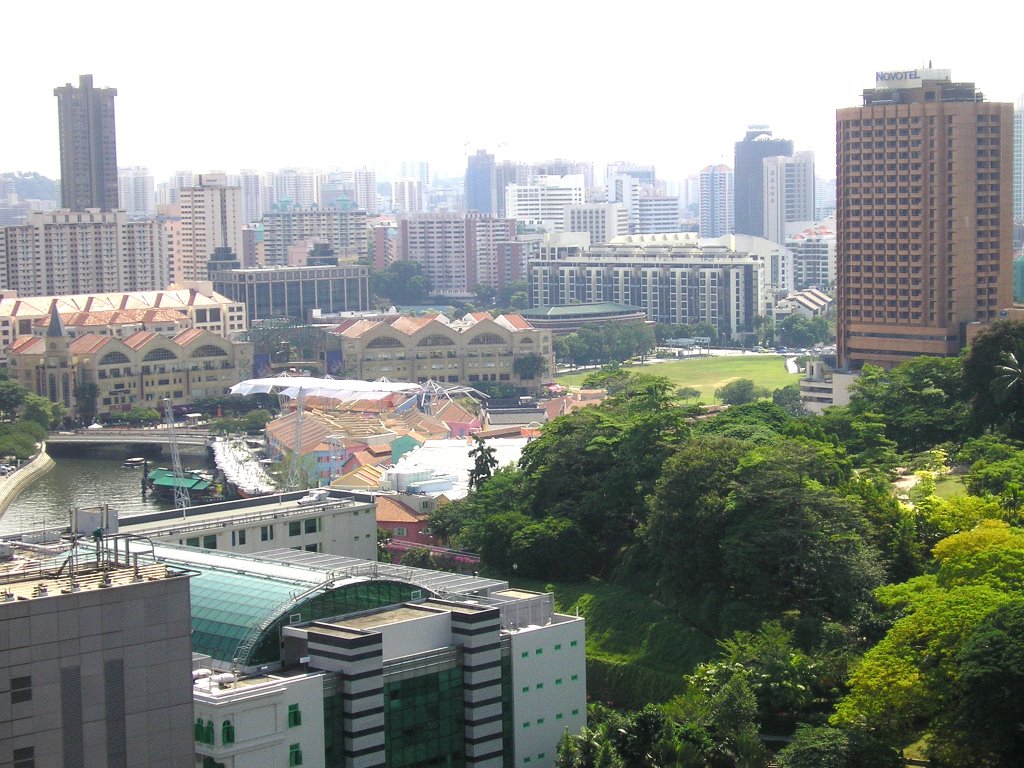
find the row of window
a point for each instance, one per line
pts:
(540, 686)
(540, 651)
(540, 720)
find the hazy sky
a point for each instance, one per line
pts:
(229, 85)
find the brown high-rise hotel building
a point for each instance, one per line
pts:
(924, 225)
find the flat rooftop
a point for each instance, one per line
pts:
(206, 516)
(52, 579)
(385, 617)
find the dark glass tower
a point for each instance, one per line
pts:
(481, 194)
(88, 152)
(748, 177)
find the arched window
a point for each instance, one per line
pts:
(114, 358)
(159, 354)
(227, 732)
(65, 389)
(384, 341)
(208, 350)
(197, 731)
(52, 389)
(208, 732)
(487, 338)
(435, 340)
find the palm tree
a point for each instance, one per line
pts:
(1010, 378)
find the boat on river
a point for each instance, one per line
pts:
(135, 461)
(163, 482)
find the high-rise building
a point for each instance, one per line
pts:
(343, 231)
(504, 174)
(749, 175)
(1018, 162)
(407, 196)
(716, 201)
(135, 191)
(924, 232)
(251, 184)
(366, 190)
(542, 202)
(658, 215)
(788, 193)
(481, 190)
(88, 150)
(624, 188)
(211, 218)
(602, 221)
(55, 253)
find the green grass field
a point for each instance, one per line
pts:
(709, 373)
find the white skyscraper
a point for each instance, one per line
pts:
(366, 190)
(407, 196)
(788, 192)
(624, 188)
(543, 201)
(716, 201)
(251, 184)
(135, 191)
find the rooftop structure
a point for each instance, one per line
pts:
(95, 659)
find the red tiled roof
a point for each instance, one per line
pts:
(88, 344)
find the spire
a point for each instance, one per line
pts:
(56, 327)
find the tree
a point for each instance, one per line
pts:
(990, 706)
(985, 373)
(86, 395)
(40, 410)
(484, 462)
(403, 282)
(740, 391)
(418, 557)
(12, 397)
(687, 393)
(788, 398)
(530, 366)
(828, 747)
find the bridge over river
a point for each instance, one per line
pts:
(116, 438)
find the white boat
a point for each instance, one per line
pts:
(135, 461)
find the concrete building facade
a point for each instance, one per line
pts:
(211, 218)
(788, 193)
(344, 231)
(277, 292)
(71, 252)
(924, 231)
(136, 193)
(751, 152)
(95, 663)
(542, 201)
(602, 221)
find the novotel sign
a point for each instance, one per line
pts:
(908, 78)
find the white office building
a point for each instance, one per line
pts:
(541, 203)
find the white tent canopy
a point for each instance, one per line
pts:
(334, 389)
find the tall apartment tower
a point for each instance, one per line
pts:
(924, 231)
(211, 218)
(136, 191)
(88, 151)
(749, 175)
(366, 190)
(481, 191)
(716, 201)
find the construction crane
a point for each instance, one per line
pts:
(181, 497)
(297, 478)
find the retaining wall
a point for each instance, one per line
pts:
(17, 481)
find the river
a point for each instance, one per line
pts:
(78, 482)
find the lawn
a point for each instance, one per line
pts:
(709, 373)
(950, 486)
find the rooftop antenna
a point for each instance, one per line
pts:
(296, 476)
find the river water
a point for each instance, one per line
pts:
(78, 482)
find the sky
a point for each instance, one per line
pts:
(225, 85)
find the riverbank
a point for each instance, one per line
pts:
(16, 482)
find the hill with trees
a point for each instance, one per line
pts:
(755, 573)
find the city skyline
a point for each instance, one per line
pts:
(195, 106)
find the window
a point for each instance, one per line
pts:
(312, 525)
(525, 654)
(294, 715)
(208, 732)
(241, 537)
(558, 716)
(210, 541)
(192, 541)
(401, 531)
(266, 532)
(25, 757)
(227, 732)
(558, 646)
(526, 689)
(558, 681)
(295, 528)
(575, 711)
(540, 686)
(538, 652)
(573, 644)
(574, 677)
(540, 721)
(526, 724)
(197, 730)
(294, 755)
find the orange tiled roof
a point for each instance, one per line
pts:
(27, 345)
(89, 343)
(139, 339)
(188, 336)
(391, 510)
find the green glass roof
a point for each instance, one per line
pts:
(227, 606)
